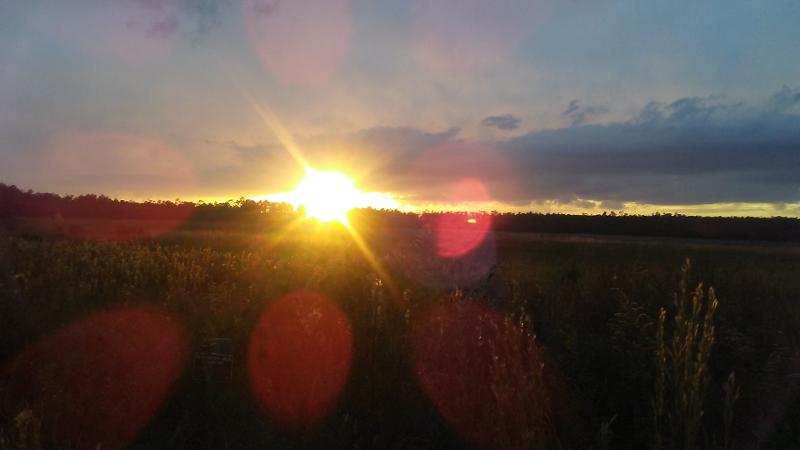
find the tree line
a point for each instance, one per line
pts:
(16, 203)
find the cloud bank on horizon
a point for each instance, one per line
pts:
(576, 106)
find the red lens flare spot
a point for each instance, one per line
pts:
(458, 36)
(458, 234)
(301, 42)
(102, 378)
(419, 260)
(299, 357)
(129, 166)
(483, 374)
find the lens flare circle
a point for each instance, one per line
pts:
(483, 374)
(301, 42)
(104, 376)
(458, 234)
(299, 357)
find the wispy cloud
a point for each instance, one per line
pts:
(785, 99)
(579, 114)
(504, 122)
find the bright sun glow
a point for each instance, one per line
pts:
(327, 196)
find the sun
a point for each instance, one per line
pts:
(326, 195)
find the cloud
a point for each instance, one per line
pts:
(248, 153)
(164, 27)
(265, 7)
(504, 122)
(382, 154)
(402, 139)
(578, 114)
(205, 15)
(378, 156)
(612, 204)
(692, 150)
(687, 151)
(785, 99)
(686, 110)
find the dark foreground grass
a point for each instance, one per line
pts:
(528, 342)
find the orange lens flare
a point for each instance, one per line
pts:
(105, 375)
(483, 374)
(300, 42)
(459, 234)
(299, 357)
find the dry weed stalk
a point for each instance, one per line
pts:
(682, 366)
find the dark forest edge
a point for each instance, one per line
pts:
(16, 203)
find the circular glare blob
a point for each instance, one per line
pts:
(460, 35)
(457, 234)
(483, 374)
(103, 377)
(301, 42)
(122, 165)
(418, 259)
(299, 357)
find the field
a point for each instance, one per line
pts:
(312, 339)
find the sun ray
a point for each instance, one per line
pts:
(372, 260)
(278, 237)
(326, 196)
(281, 133)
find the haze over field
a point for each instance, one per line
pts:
(548, 105)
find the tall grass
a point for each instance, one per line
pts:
(612, 393)
(682, 370)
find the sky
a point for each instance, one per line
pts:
(548, 105)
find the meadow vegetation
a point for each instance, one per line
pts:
(529, 340)
(557, 343)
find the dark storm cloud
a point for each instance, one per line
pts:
(578, 114)
(692, 150)
(689, 151)
(504, 122)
